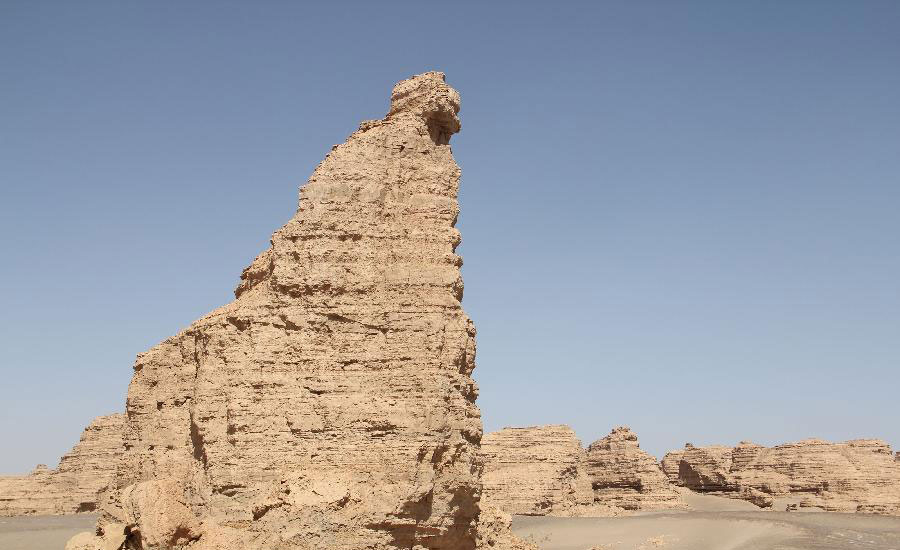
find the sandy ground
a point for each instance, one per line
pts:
(716, 523)
(42, 532)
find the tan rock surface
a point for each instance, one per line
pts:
(856, 476)
(75, 485)
(537, 470)
(331, 405)
(623, 475)
(670, 464)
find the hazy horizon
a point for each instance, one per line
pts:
(676, 217)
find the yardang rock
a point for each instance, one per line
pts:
(537, 470)
(76, 484)
(331, 404)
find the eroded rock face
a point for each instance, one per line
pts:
(856, 476)
(543, 470)
(623, 475)
(76, 485)
(670, 464)
(537, 470)
(331, 404)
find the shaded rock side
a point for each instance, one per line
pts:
(331, 404)
(76, 484)
(625, 476)
(537, 470)
(855, 476)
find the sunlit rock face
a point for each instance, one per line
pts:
(538, 470)
(76, 485)
(624, 475)
(861, 475)
(331, 404)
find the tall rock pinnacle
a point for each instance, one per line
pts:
(331, 404)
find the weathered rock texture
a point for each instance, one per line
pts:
(330, 405)
(537, 470)
(75, 486)
(856, 476)
(670, 464)
(544, 470)
(623, 475)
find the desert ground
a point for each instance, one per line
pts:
(42, 532)
(715, 523)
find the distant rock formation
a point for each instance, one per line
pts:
(537, 470)
(75, 486)
(670, 465)
(862, 475)
(331, 404)
(625, 476)
(543, 470)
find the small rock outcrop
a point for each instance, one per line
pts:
(855, 476)
(331, 404)
(77, 483)
(543, 470)
(537, 470)
(670, 464)
(625, 476)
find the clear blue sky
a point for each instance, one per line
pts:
(680, 216)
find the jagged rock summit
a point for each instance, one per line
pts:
(543, 470)
(76, 484)
(331, 404)
(861, 475)
(624, 475)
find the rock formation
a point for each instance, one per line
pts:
(537, 470)
(544, 470)
(856, 476)
(74, 486)
(331, 404)
(623, 475)
(670, 464)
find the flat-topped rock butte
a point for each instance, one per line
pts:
(331, 404)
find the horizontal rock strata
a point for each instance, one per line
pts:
(862, 475)
(625, 476)
(331, 404)
(537, 470)
(76, 485)
(544, 470)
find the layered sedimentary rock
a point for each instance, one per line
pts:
(331, 404)
(537, 470)
(856, 476)
(75, 486)
(623, 475)
(670, 464)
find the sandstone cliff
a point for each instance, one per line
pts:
(623, 475)
(537, 470)
(74, 486)
(856, 476)
(331, 404)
